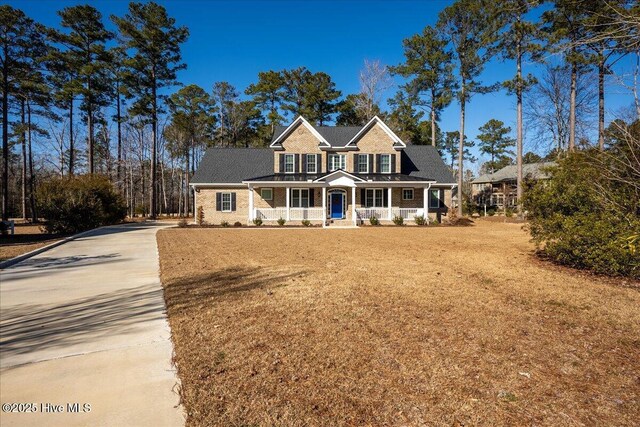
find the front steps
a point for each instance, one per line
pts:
(340, 223)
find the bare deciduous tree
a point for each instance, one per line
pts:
(374, 81)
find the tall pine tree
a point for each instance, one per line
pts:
(154, 40)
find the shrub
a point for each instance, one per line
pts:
(420, 220)
(374, 220)
(224, 223)
(77, 203)
(398, 220)
(237, 224)
(306, 222)
(577, 223)
(200, 216)
(182, 223)
(257, 222)
(491, 212)
(509, 212)
(281, 221)
(434, 222)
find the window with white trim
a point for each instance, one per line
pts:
(374, 198)
(337, 161)
(407, 194)
(266, 193)
(289, 161)
(312, 166)
(363, 163)
(226, 202)
(434, 198)
(300, 198)
(385, 163)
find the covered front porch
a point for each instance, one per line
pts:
(338, 198)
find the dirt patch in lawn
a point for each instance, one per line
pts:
(395, 326)
(27, 238)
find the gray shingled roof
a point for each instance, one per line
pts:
(425, 161)
(510, 173)
(234, 165)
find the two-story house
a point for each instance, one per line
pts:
(329, 175)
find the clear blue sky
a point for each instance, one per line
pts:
(234, 40)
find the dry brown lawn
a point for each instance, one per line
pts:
(27, 238)
(395, 327)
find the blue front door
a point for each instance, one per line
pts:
(336, 206)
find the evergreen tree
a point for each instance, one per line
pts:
(155, 41)
(268, 95)
(518, 42)
(429, 65)
(348, 112)
(85, 45)
(467, 26)
(450, 148)
(310, 95)
(192, 122)
(495, 142)
(565, 25)
(404, 118)
(23, 46)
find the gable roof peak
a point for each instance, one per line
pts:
(396, 139)
(292, 126)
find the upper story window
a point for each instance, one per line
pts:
(363, 163)
(385, 163)
(289, 161)
(337, 161)
(312, 164)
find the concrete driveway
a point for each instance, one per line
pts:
(85, 323)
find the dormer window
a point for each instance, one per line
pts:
(337, 161)
(385, 163)
(289, 161)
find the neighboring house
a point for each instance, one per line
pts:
(328, 175)
(500, 188)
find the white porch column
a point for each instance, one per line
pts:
(287, 195)
(353, 205)
(390, 192)
(324, 206)
(425, 202)
(250, 203)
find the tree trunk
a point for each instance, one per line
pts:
(154, 140)
(519, 141)
(601, 70)
(186, 187)
(119, 124)
(572, 108)
(24, 161)
(433, 124)
(5, 135)
(90, 126)
(461, 148)
(71, 137)
(32, 195)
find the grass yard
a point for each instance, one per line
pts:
(396, 327)
(27, 238)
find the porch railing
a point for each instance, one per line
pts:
(298, 214)
(271, 214)
(366, 213)
(406, 213)
(295, 214)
